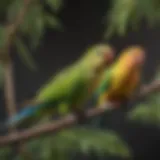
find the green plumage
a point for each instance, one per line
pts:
(68, 90)
(70, 87)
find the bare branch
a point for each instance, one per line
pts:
(49, 127)
(151, 88)
(67, 121)
(9, 90)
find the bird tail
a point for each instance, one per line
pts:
(27, 113)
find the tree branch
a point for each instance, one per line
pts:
(68, 120)
(148, 89)
(9, 90)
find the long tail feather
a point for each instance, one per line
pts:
(25, 114)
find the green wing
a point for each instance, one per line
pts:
(104, 85)
(69, 85)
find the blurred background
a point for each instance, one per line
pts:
(83, 25)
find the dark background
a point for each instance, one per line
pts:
(83, 26)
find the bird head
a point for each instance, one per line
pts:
(133, 55)
(100, 56)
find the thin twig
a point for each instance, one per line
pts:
(9, 90)
(151, 88)
(67, 121)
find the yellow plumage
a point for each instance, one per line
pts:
(119, 83)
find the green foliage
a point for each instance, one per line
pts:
(66, 143)
(126, 13)
(24, 53)
(5, 153)
(121, 14)
(149, 111)
(56, 5)
(63, 144)
(32, 27)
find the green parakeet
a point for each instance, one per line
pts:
(69, 89)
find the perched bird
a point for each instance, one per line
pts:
(69, 89)
(119, 82)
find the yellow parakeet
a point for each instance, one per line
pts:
(119, 82)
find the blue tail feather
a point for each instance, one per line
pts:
(22, 115)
